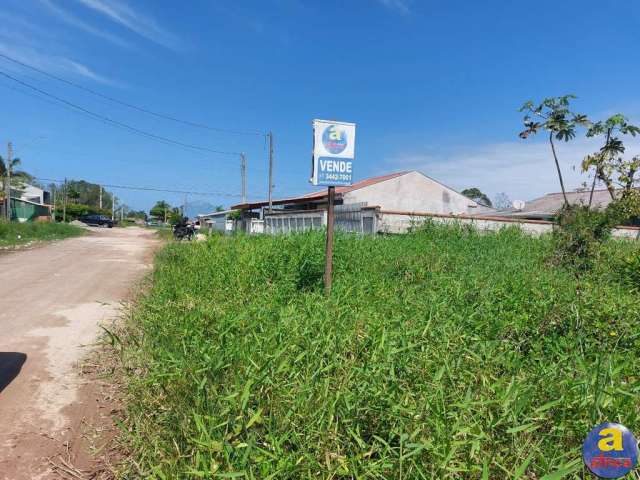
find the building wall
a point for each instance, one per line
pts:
(25, 211)
(400, 223)
(31, 194)
(415, 192)
(396, 222)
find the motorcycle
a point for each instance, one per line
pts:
(184, 231)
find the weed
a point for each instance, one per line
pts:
(440, 354)
(18, 233)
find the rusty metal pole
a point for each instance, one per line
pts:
(328, 265)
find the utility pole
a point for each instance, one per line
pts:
(53, 198)
(64, 201)
(243, 174)
(113, 207)
(100, 198)
(7, 185)
(270, 169)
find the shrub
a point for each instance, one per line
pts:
(625, 210)
(579, 235)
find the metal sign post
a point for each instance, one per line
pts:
(333, 158)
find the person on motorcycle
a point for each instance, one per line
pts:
(182, 229)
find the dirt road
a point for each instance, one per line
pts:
(52, 299)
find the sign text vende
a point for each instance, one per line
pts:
(333, 153)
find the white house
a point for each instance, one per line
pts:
(368, 206)
(30, 193)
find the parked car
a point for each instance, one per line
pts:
(97, 220)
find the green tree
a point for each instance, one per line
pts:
(89, 194)
(160, 210)
(219, 208)
(554, 116)
(175, 216)
(477, 196)
(73, 195)
(608, 163)
(138, 214)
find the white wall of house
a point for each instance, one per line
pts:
(29, 193)
(415, 192)
(394, 223)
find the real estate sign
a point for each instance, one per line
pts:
(333, 152)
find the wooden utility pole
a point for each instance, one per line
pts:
(243, 175)
(64, 201)
(328, 265)
(270, 169)
(113, 207)
(7, 185)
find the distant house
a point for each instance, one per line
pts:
(228, 221)
(31, 193)
(547, 207)
(30, 203)
(368, 206)
(216, 221)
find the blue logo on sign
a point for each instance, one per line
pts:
(334, 139)
(610, 450)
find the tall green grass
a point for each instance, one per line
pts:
(440, 354)
(14, 233)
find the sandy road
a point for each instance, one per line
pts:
(52, 299)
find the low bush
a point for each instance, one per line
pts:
(579, 235)
(440, 354)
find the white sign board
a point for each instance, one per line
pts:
(333, 152)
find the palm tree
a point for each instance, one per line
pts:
(12, 166)
(17, 176)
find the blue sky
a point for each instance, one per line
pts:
(432, 85)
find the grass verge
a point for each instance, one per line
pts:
(13, 234)
(440, 354)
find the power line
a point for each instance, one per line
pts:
(130, 105)
(150, 189)
(118, 123)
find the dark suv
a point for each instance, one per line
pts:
(99, 220)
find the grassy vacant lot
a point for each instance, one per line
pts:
(441, 354)
(13, 233)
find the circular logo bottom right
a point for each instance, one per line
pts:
(610, 450)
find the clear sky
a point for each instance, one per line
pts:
(432, 85)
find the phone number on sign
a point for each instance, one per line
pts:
(337, 176)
